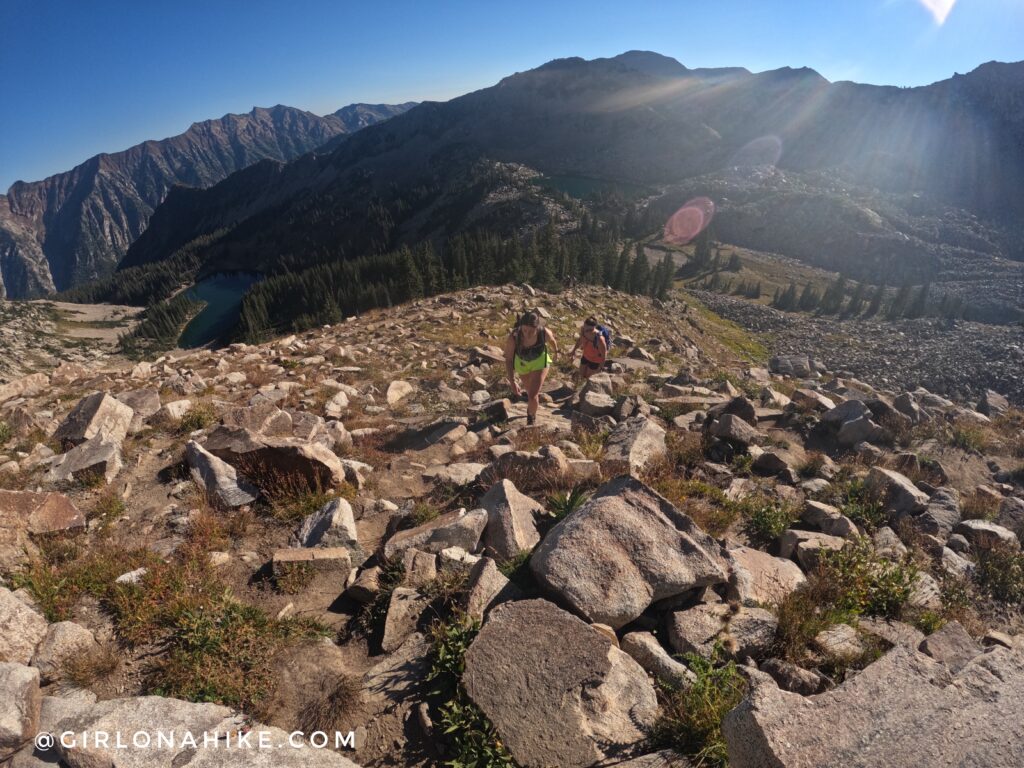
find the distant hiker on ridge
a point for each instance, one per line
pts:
(526, 354)
(594, 340)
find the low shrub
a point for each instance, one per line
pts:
(293, 578)
(83, 670)
(63, 573)
(564, 503)
(200, 416)
(765, 519)
(216, 648)
(691, 719)
(743, 464)
(979, 506)
(221, 651)
(811, 465)
(423, 512)
(328, 708)
(861, 582)
(447, 588)
(1000, 574)
(108, 507)
(706, 504)
(472, 739)
(846, 584)
(970, 437)
(860, 505)
(290, 496)
(591, 443)
(6, 433)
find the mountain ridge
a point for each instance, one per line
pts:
(76, 225)
(952, 143)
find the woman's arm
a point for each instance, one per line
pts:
(552, 340)
(576, 346)
(510, 364)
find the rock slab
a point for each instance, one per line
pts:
(552, 708)
(624, 549)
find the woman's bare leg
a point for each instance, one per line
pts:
(533, 382)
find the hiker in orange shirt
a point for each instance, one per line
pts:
(594, 340)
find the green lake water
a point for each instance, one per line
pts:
(222, 295)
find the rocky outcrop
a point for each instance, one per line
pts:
(551, 708)
(511, 520)
(223, 484)
(635, 445)
(95, 458)
(278, 457)
(98, 415)
(455, 529)
(931, 718)
(624, 549)
(24, 514)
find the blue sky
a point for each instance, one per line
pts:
(80, 77)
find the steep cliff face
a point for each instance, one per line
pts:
(77, 225)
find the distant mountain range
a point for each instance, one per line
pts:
(885, 184)
(76, 226)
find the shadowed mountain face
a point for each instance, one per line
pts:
(945, 162)
(77, 225)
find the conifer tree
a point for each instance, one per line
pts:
(875, 305)
(898, 306)
(919, 306)
(809, 299)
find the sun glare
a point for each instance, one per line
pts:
(939, 9)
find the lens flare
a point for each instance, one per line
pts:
(939, 9)
(689, 221)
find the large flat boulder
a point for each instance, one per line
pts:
(24, 514)
(257, 454)
(984, 535)
(95, 458)
(904, 710)
(735, 431)
(26, 386)
(558, 691)
(528, 470)
(941, 515)
(624, 549)
(98, 415)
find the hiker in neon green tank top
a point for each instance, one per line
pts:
(529, 351)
